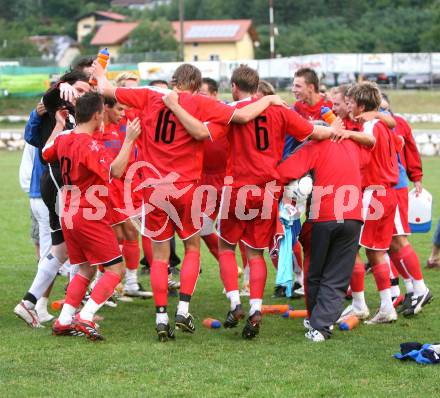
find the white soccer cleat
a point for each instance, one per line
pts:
(136, 290)
(28, 315)
(173, 285)
(306, 324)
(383, 317)
(44, 316)
(315, 336)
(349, 311)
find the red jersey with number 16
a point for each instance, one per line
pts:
(165, 142)
(257, 146)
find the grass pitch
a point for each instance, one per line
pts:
(218, 363)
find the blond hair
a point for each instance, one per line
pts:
(265, 88)
(124, 76)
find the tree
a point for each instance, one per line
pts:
(14, 42)
(151, 36)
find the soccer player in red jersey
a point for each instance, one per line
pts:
(309, 100)
(86, 171)
(112, 138)
(249, 206)
(340, 107)
(176, 164)
(401, 252)
(379, 201)
(213, 174)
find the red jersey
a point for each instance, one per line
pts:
(215, 156)
(312, 112)
(84, 163)
(165, 142)
(110, 138)
(257, 146)
(382, 168)
(351, 124)
(335, 168)
(409, 155)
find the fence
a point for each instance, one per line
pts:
(422, 70)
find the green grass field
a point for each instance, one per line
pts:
(218, 363)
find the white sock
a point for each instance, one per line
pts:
(47, 271)
(90, 309)
(358, 302)
(28, 304)
(131, 277)
(395, 291)
(41, 306)
(67, 314)
(74, 269)
(408, 285)
(419, 287)
(182, 307)
(299, 277)
(162, 318)
(234, 297)
(246, 274)
(255, 305)
(386, 303)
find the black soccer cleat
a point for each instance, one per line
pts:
(185, 323)
(417, 303)
(406, 303)
(233, 317)
(252, 327)
(279, 292)
(164, 332)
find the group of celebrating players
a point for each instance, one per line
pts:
(181, 161)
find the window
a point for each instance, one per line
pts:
(195, 58)
(214, 57)
(195, 44)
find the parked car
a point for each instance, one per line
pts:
(419, 80)
(383, 79)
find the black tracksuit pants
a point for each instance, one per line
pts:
(333, 251)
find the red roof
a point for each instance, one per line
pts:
(111, 15)
(113, 33)
(211, 31)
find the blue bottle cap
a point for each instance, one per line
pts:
(324, 109)
(104, 51)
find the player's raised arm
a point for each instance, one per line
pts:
(119, 164)
(105, 87)
(193, 126)
(386, 117)
(251, 111)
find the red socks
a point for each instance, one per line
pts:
(76, 290)
(148, 251)
(407, 262)
(257, 279)
(228, 270)
(131, 253)
(189, 272)
(159, 282)
(105, 287)
(381, 273)
(211, 241)
(358, 278)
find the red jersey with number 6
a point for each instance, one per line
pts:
(257, 146)
(165, 142)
